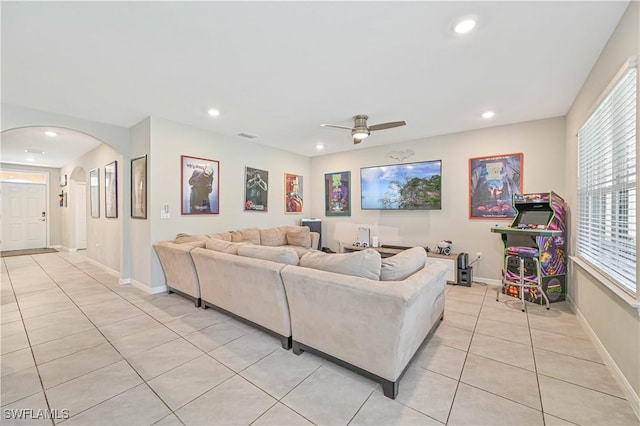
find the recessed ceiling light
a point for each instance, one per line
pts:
(319, 147)
(488, 114)
(50, 133)
(31, 159)
(464, 25)
(213, 112)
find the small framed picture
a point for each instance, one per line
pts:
(256, 190)
(337, 194)
(111, 190)
(493, 180)
(200, 186)
(139, 187)
(293, 193)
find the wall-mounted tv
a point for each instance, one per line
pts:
(409, 186)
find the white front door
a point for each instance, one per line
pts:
(24, 216)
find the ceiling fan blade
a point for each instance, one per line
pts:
(389, 125)
(336, 126)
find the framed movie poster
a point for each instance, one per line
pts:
(293, 193)
(94, 192)
(256, 189)
(200, 185)
(337, 194)
(492, 182)
(111, 190)
(139, 187)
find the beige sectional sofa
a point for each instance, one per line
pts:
(374, 327)
(363, 312)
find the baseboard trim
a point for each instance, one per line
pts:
(106, 268)
(628, 390)
(488, 281)
(147, 289)
(63, 248)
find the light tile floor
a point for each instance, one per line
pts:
(77, 344)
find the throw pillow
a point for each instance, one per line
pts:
(403, 264)
(284, 255)
(249, 235)
(299, 236)
(223, 246)
(188, 238)
(365, 263)
(274, 236)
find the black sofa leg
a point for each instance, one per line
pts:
(296, 348)
(390, 389)
(198, 302)
(169, 291)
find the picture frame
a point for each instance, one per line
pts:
(405, 186)
(256, 189)
(139, 187)
(94, 193)
(293, 193)
(337, 194)
(200, 185)
(493, 180)
(111, 190)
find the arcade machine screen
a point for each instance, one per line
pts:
(534, 217)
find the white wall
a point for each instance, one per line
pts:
(540, 141)
(55, 211)
(170, 140)
(104, 235)
(140, 229)
(612, 321)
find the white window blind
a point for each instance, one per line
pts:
(606, 216)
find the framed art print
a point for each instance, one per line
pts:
(293, 193)
(256, 189)
(493, 180)
(139, 187)
(200, 185)
(337, 194)
(94, 192)
(111, 190)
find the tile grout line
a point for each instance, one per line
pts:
(108, 341)
(466, 355)
(44, 393)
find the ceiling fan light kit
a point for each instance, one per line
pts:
(360, 130)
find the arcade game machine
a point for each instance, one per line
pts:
(540, 224)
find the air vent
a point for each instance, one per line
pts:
(247, 135)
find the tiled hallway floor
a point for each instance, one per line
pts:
(76, 342)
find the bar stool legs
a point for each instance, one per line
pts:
(522, 281)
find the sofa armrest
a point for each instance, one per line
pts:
(374, 325)
(178, 267)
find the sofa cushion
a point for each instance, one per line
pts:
(249, 235)
(188, 238)
(274, 236)
(365, 263)
(403, 264)
(224, 236)
(275, 254)
(299, 236)
(224, 246)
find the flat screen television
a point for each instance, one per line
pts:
(409, 186)
(534, 217)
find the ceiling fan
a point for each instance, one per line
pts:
(360, 130)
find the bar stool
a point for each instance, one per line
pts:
(520, 280)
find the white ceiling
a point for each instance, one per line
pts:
(280, 69)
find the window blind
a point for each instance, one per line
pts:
(606, 216)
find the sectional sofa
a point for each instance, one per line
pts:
(358, 310)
